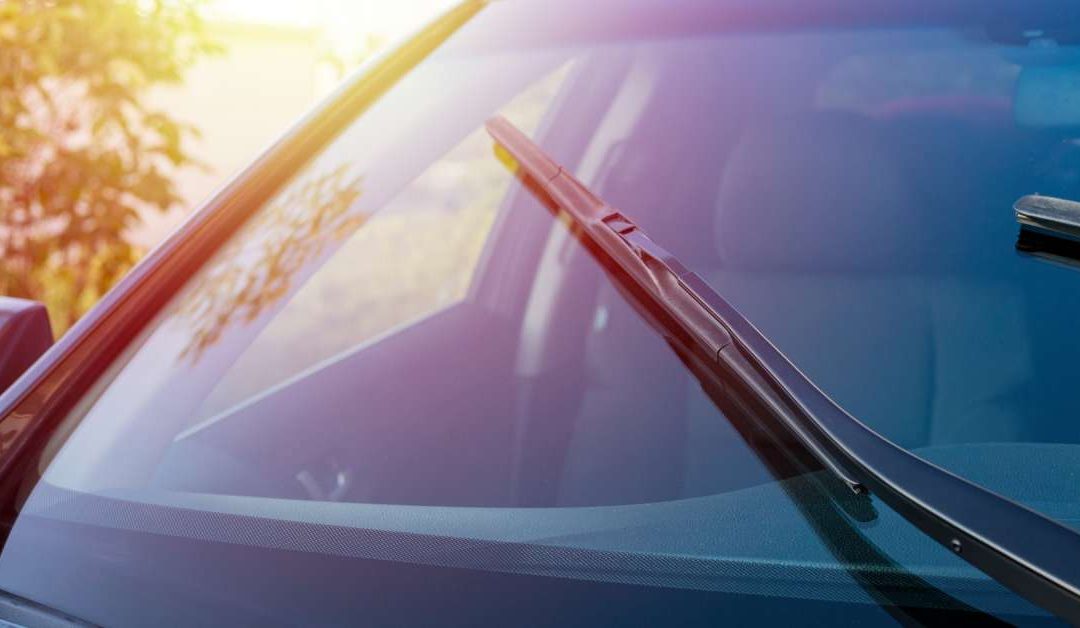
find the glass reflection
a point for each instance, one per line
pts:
(257, 271)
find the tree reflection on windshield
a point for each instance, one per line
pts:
(259, 270)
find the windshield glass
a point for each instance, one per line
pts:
(403, 367)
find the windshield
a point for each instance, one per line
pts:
(403, 367)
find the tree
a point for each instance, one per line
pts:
(81, 155)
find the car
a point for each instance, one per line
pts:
(611, 313)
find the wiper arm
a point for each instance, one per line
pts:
(1024, 550)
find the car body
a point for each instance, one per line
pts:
(384, 377)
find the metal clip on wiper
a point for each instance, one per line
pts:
(1031, 554)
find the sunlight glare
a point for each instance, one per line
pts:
(344, 23)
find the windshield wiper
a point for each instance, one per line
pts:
(1027, 552)
(1049, 228)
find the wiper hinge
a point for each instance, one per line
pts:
(1024, 550)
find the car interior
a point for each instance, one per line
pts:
(885, 236)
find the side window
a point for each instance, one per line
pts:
(415, 256)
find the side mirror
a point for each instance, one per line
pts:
(25, 334)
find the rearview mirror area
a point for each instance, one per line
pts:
(25, 334)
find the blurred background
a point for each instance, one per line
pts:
(119, 117)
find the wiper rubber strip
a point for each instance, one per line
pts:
(1031, 554)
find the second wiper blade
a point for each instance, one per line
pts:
(1031, 554)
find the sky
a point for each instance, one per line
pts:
(266, 79)
(343, 22)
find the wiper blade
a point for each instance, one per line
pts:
(652, 268)
(1024, 550)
